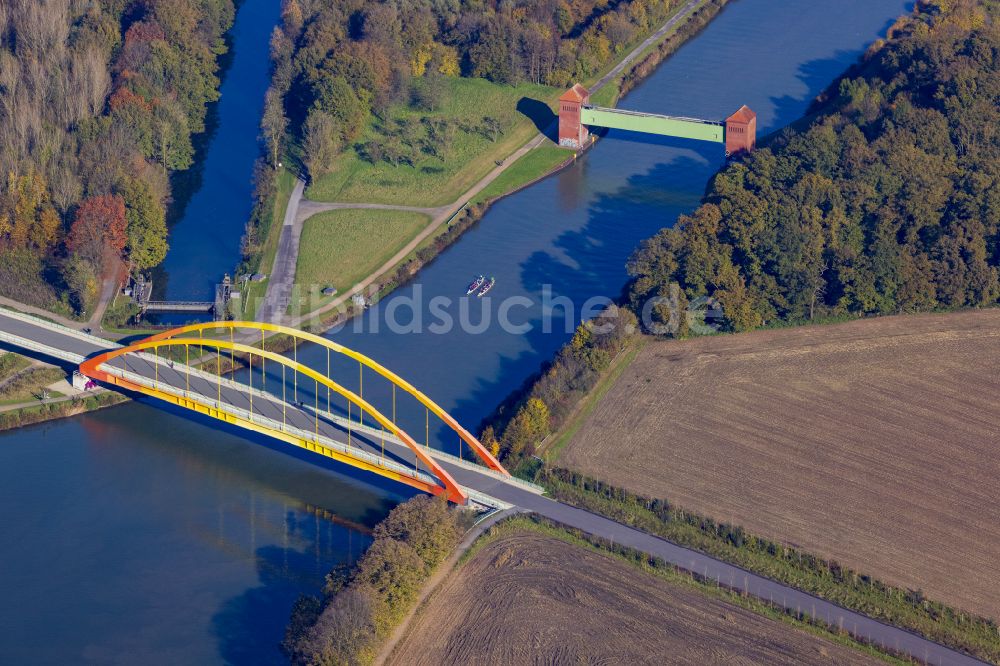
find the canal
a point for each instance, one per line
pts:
(213, 199)
(145, 535)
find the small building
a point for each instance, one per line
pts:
(741, 131)
(573, 133)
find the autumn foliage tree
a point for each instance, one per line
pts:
(99, 232)
(885, 203)
(94, 96)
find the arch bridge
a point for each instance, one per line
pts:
(187, 366)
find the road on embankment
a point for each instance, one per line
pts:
(517, 495)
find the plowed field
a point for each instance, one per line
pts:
(533, 599)
(875, 443)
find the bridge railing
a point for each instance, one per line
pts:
(54, 352)
(66, 330)
(271, 424)
(229, 383)
(645, 114)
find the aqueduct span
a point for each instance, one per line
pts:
(576, 115)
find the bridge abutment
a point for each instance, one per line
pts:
(741, 132)
(572, 132)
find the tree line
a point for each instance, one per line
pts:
(98, 104)
(887, 202)
(337, 63)
(360, 606)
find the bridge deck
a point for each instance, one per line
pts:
(179, 306)
(38, 335)
(652, 123)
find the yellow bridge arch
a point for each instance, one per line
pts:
(481, 452)
(171, 338)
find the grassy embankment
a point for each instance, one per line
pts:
(430, 181)
(21, 382)
(339, 248)
(434, 180)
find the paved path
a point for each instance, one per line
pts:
(514, 494)
(282, 279)
(107, 293)
(652, 39)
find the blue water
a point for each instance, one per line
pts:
(573, 233)
(146, 535)
(214, 199)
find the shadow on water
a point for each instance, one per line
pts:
(540, 114)
(646, 202)
(249, 627)
(359, 496)
(816, 75)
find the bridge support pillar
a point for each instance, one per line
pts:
(741, 132)
(573, 133)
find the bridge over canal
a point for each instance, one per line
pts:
(576, 116)
(367, 437)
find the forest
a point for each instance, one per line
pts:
(888, 201)
(99, 101)
(339, 63)
(885, 200)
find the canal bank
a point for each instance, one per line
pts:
(144, 494)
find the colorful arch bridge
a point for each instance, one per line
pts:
(187, 366)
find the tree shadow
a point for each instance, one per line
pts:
(250, 626)
(589, 261)
(540, 114)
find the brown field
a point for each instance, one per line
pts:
(530, 598)
(875, 443)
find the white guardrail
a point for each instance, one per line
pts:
(54, 352)
(345, 423)
(59, 328)
(321, 440)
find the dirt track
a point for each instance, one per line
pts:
(876, 443)
(530, 598)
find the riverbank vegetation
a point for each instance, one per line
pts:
(98, 103)
(360, 606)
(886, 202)
(41, 412)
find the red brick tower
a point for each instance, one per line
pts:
(741, 131)
(572, 134)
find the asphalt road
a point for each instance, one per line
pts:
(511, 493)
